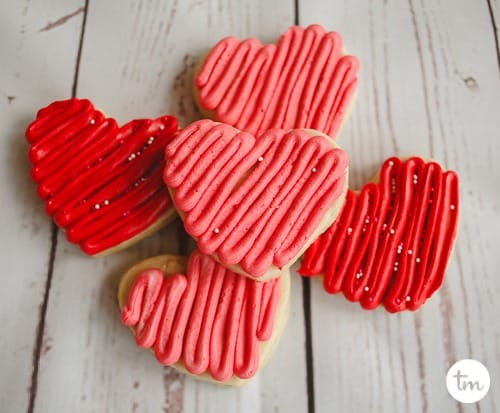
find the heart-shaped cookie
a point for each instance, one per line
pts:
(392, 241)
(101, 183)
(255, 204)
(202, 318)
(305, 81)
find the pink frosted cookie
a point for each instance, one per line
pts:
(303, 81)
(255, 204)
(203, 319)
(392, 240)
(101, 183)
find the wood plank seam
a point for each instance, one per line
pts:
(183, 239)
(495, 31)
(306, 301)
(41, 321)
(52, 255)
(80, 47)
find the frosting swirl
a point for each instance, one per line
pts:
(391, 243)
(100, 182)
(304, 81)
(253, 202)
(211, 319)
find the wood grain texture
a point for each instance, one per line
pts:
(429, 84)
(26, 233)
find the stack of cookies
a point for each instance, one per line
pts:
(259, 184)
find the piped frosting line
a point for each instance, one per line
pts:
(391, 243)
(100, 182)
(302, 82)
(211, 319)
(253, 202)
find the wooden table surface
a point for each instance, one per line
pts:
(429, 85)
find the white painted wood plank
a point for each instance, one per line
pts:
(429, 85)
(91, 355)
(138, 63)
(440, 101)
(36, 65)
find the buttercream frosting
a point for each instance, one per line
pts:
(252, 202)
(101, 182)
(211, 319)
(392, 241)
(304, 81)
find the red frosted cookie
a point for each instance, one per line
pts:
(202, 318)
(304, 81)
(392, 240)
(255, 204)
(101, 183)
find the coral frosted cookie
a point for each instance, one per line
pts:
(101, 183)
(304, 81)
(392, 240)
(255, 204)
(202, 318)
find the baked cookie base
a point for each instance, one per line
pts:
(173, 264)
(324, 224)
